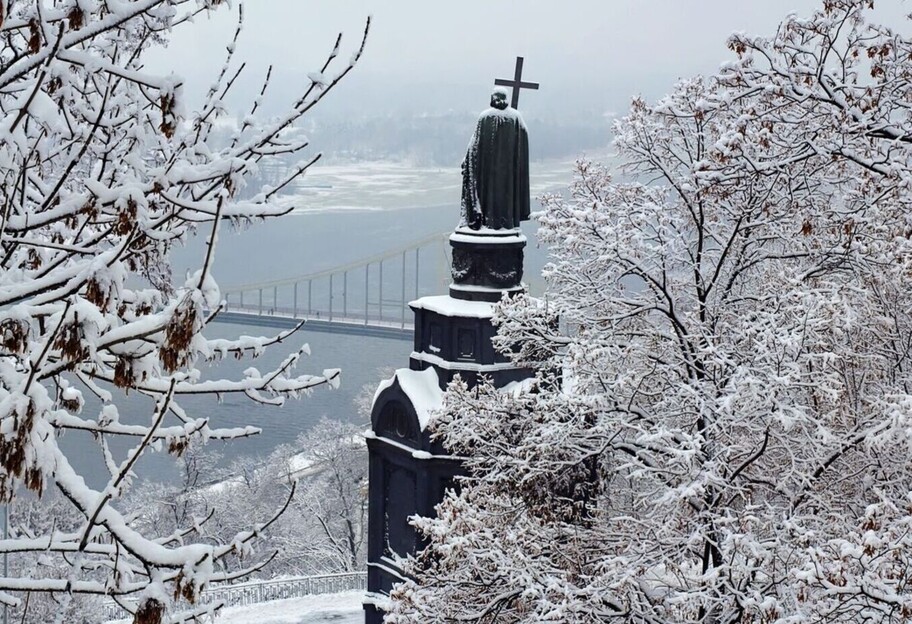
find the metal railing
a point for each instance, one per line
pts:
(373, 291)
(255, 592)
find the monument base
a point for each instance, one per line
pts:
(486, 263)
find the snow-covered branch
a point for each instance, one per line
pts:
(103, 168)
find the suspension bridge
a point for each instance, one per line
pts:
(366, 297)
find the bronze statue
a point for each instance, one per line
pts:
(495, 172)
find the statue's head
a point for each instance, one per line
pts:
(499, 98)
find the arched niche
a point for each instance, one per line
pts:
(393, 417)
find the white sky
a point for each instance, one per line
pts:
(433, 56)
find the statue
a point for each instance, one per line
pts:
(495, 172)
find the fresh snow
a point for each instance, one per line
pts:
(341, 608)
(447, 306)
(506, 113)
(495, 237)
(86, 294)
(439, 362)
(421, 387)
(488, 289)
(423, 390)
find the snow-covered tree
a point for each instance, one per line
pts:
(103, 167)
(331, 505)
(719, 425)
(33, 516)
(323, 529)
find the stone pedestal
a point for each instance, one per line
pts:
(486, 263)
(409, 472)
(408, 476)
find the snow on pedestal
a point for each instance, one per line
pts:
(421, 388)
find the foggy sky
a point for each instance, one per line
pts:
(431, 57)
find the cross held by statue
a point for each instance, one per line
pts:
(516, 84)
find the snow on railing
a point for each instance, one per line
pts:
(254, 592)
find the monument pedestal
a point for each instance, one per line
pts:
(486, 263)
(409, 473)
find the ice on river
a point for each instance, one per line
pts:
(380, 185)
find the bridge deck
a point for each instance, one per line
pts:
(368, 297)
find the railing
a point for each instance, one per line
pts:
(255, 592)
(373, 291)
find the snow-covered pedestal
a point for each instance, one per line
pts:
(453, 336)
(486, 263)
(408, 475)
(408, 471)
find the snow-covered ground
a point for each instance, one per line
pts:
(342, 608)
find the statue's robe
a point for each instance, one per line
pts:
(495, 172)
